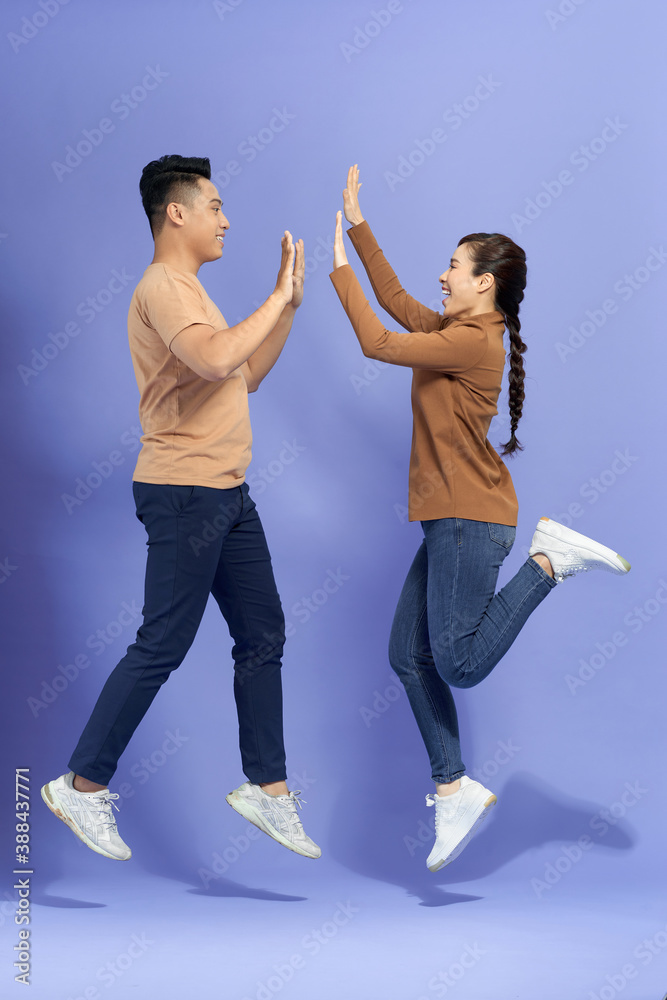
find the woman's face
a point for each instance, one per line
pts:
(464, 294)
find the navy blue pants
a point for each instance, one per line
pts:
(201, 541)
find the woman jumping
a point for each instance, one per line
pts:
(450, 627)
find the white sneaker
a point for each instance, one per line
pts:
(457, 816)
(88, 815)
(570, 553)
(275, 815)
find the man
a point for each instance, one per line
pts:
(204, 534)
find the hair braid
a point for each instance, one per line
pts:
(501, 257)
(516, 376)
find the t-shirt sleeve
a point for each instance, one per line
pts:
(454, 349)
(171, 304)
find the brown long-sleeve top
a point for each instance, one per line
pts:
(457, 370)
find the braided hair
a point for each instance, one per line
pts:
(500, 256)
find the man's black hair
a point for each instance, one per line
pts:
(171, 178)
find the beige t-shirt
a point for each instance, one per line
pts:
(196, 432)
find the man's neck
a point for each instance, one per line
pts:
(179, 257)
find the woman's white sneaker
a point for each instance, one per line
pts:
(570, 553)
(88, 814)
(457, 817)
(276, 815)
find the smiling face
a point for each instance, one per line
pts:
(464, 294)
(204, 223)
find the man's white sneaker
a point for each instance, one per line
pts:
(457, 817)
(275, 815)
(570, 553)
(88, 814)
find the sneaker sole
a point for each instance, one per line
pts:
(256, 818)
(454, 853)
(59, 810)
(616, 562)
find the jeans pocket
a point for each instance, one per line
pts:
(180, 497)
(503, 534)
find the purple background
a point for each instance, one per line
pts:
(570, 727)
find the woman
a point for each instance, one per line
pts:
(450, 627)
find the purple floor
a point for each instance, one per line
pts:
(248, 921)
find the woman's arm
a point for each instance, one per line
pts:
(389, 292)
(454, 350)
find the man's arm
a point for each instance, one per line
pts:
(264, 358)
(215, 354)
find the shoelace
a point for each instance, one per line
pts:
(432, 800)
(104, 808)
(290, 814)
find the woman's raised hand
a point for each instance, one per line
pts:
(340, 257)
(351, 197)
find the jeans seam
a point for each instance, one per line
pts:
(507, 625)
(418, 671)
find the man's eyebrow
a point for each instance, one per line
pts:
(215, 199)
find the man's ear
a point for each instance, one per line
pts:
(175, 213)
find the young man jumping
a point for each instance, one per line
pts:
(194, 374)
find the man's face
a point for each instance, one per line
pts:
(204, 222)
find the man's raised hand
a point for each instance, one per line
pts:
(298, 275)
(340, 257)
(284, 282)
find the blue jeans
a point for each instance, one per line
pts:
(451, 628)
(201, 541)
